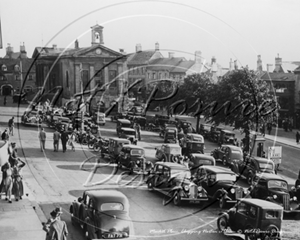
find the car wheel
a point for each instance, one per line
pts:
(177, 198)
(222, 203)
(91, 145)
(222, 224)
(224, 162)
(250, 179)
(272, 232)
(150, 185)
(250, 236)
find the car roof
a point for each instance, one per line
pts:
(119, 139)
(133, 146)
(270, 176)
(112, 196)
(262, 203)
(232, 147)
(227, 131)
(217, 169)
(263, 160)
(127, 129)
(123, 120)
(203, 156)
(173, 165)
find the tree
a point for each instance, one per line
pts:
(241, 100)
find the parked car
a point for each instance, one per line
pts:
(195, 137)
(196, 160)
(249, 167)
(227, 154)
(103, 214)
(114, 147)
(186, 126)
(194, 147)
(128, 133)
(215, 133)
(171, 135)
(168, 152)
(226, 137)
(116, 116)
(99, 118)
(133, 158)
(140, 120)
(205, 130)
(275, 189)
(220, 184)
(122, 123)
(174, 181)
(165, 127)
(254, 218)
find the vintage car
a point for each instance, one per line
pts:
(103, 214)
(194, 147)
(196, 160)
(174, 181)
(31, 117)
(249, 167)
(99, 118)
(195, 137)
(274, 188)
(215, 133)
(114, 147)
(185, 125)
(226, 137)
(168, 152)
(254, 218)
(122, 123)
(133, 158)
(220, 184)
(166, 126)
(171, 135)
(205, 130)
(128, 133)
(227, 154)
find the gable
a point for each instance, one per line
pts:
(96, 51)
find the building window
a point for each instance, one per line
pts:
(17, 68)
(85, 80)
(30, 78)
(159, 76)
(153, 76)
(99, 78)
(67, 79)
(4, 68)
(112, 78)
(17, 77)
(149, 76)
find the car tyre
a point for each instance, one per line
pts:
(250, 236)
(272, 232)
(177, 198)
(96, 147)
(222, 224)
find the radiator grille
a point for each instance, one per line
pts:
(193, 191)
(286, 201)
(238, 193)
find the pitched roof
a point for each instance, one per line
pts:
(141, 57)
(289, 66)
(280, 76)
(164, 63)
(183, 66)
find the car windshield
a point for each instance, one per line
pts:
(137, 152)
(204, 161)
(236, 155)
(229, 135)
(180, 174)
(266, 166)
(196, 145)
(197, 138)
(112, 206)
(126, 125)
(225, 177)
(277, 184)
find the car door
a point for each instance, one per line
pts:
(202, 174)
(85, 207)
(211, 184)
(158, 175)
(241, 216)
(221, 153)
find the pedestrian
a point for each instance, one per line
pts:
(5, 100)
(42, 138)
(297, 137)
(5, 135)
(7, 181)
(17, 189)
(64, 139)
(71, 141)
(11, 125)
(138, 131)
(57, 229)
(13, 156)
(56, 137)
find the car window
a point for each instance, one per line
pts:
(211, 178)
(166, 171)
(87, 199)
(252, 212)
(277, 184)
(271, 214)
(137, 152)
(242, 208)
(92, 204)
(159, 169)
(112, 206)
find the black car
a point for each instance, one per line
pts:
(220, 184)
(275, 189)
(174, 181)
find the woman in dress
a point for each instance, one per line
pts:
(18, 189)
(7, 181)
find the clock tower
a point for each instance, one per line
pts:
(97, 35)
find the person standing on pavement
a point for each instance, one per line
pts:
(64, 139)
(297, 137)
(11, 125)
(18, 189)
(56, 137)
(57, 229)
(42, 138)
(7, 181)
(138, 130)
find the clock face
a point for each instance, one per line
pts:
(98, 51)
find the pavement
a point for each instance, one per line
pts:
(23, 219)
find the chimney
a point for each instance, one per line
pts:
(198, 57)
(171, 54)
(138, 47)
(23, 51)
(213, 60)
(230, 65)
(157, 46)
(54, 46)
(259, 63)
(278, 62)
(9, 50)
(235, 65)
(76, 44)
(122, 51)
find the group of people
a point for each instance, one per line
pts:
(64, 136)
(12, 183)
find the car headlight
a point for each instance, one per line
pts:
(246, 191)
(232, 190)
(199, 189)
(186, 188)
(275, 196)
(295, 198)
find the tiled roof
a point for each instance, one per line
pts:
(14, 55)
(290, 66)
(10, 64)
(26, 63)
(140, 57)
(278, 76)
(164, 63)
(183, 66)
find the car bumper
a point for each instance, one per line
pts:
(194, 200)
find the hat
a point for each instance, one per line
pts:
(58, 210)
(13, 144)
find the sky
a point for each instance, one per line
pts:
(232, 29)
